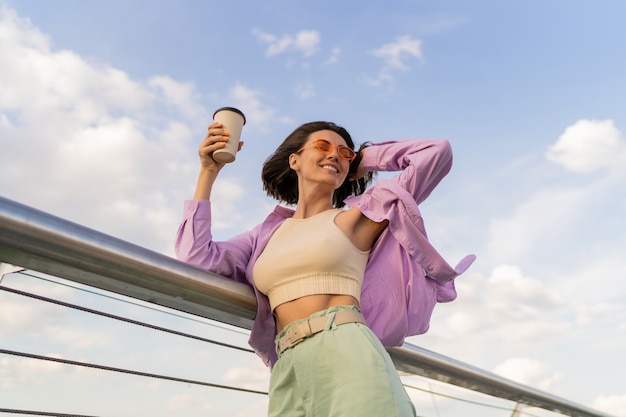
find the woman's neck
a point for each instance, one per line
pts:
(313, 198)
(310, 207)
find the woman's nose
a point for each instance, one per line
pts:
(334, 153)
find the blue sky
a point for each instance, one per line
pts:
(103, 104)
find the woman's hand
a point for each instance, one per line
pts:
(215, 139)
(360, 171)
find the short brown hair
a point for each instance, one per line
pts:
(281, 182)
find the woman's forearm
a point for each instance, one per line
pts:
(206, 179)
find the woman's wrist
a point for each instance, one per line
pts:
(357, 169)
(206, 179)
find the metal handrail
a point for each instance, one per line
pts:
(39, 241)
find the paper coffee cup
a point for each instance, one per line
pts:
(233, 120)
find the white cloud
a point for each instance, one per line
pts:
(75, 339)
(183, 96)
(43, 81)
(78, 134)
(253, 375)
(335, 53)
(305, 42)
(505, 307)
(258, 114)
(440, 24)
(17, 317)
(254, 409)
(529, 372)
(229, 193)
(16, 371)
(536, 224)
(395, 53)
(383, 77)
(395, 56)
(602, 312)
(570, 220)
(112, 148)
(4, 121)
(589, 145)
(603, 266)
(304, 90)
(611, 404)
(186, 402)
(507, 282)
(26, 316)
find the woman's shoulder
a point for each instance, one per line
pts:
(274, 218)
(282, 211)
(361, 230)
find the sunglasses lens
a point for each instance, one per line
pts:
(323, 145)
(346, 152)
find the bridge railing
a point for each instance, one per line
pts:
(41, 242)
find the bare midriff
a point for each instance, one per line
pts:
(302, 308)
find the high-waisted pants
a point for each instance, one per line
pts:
(343, 371)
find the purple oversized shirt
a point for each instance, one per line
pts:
(405, 276)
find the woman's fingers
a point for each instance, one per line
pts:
(215, 139)
(216, 135)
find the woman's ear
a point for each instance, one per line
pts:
(293, 161)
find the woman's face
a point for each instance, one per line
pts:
(322, 162)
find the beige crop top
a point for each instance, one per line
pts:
(309, 256)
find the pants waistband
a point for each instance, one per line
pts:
(296, 333)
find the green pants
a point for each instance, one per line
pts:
(343, 371)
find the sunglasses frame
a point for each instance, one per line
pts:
(339, 148)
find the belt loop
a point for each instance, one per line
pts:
(330, 321)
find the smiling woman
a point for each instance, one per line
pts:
(281, 181)
(334, 285)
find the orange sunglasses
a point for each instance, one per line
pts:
(326, 147)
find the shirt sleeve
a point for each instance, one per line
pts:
(423, 163)
(405, 276)
(195, 245)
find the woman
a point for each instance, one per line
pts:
(315, 268)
